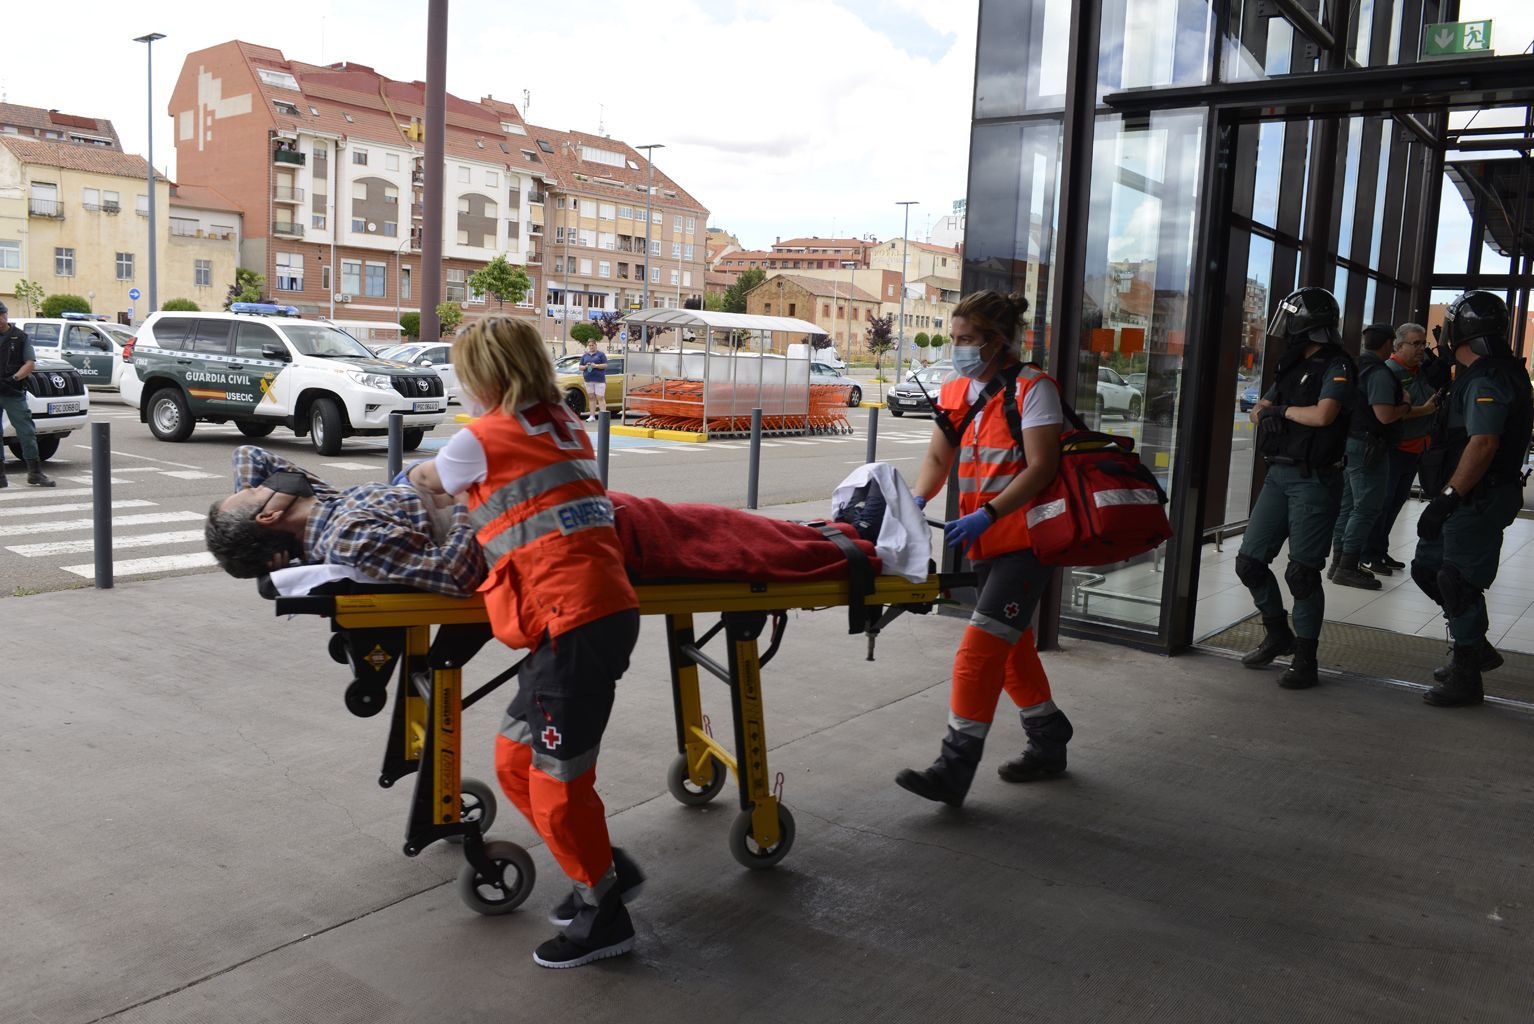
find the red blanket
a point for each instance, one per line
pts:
(663, 541)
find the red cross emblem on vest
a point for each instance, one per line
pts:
(551, 737)
(1011, 610)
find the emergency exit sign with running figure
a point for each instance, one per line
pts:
(1457, 39)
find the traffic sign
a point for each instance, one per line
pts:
(1457, 39)
(134, 293)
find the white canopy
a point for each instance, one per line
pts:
(707, 318)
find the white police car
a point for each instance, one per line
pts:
(261, 367)
(59, 405)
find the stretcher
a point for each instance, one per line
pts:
(386, 634)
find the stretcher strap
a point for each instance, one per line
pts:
(860, 576)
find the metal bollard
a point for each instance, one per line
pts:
(873, 434)
(754, 463)
(396, 443)
(604, 422)
(101, 502)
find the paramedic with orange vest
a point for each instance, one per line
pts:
(556, 586)
(997, 477)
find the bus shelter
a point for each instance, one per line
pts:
(705, 371)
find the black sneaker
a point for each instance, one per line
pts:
(1377, 566)
(630, 885)
(1387, 560)
(561, 952)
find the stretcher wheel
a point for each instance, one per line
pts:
(365, 699)
(476, 802)
(745, 849)
(510, 882)
(681, 787)
(338, 648)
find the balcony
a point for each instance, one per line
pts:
(417, 210)
(288, 228)
(535, 256)
(537, 198)
(110, 206)
(288, 156)
(287, 194)
(50, 208)
(535, 229)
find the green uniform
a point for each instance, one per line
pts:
(1367, 474)
(15, 352)
(1298, 502)
(1457, 567)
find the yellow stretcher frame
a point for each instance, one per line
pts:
(378, 630)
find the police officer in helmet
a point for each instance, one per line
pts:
(1302, 432)
(1480, 489)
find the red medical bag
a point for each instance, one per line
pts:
(1104, 506)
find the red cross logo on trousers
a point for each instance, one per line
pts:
(1011, 610)
(551, 737)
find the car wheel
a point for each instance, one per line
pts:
(1135, 407)
(896, 413)
(169, 417)
(254, 429)
(575, 398)
(47, 447)
(325, 426)
(413, 439)
(856, 398)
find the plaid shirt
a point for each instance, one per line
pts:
(384, 531)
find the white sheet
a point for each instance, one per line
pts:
(905, 541)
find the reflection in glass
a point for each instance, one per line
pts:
(1149, 43)
(1349, 187)
(1270, 161)
(1383, 177)
(1020, 61)
(1145, 182)
(1258, 297)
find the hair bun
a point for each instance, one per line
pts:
(1019, 303)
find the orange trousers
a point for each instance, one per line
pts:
(568, 815)
(986, 664)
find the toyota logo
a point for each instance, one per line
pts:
(57, 378)
(420, 382)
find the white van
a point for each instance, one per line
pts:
(827, 356)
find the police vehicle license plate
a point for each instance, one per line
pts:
(427, 407)
(59, 408)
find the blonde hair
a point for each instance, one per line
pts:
(995, 313)
(503, 363)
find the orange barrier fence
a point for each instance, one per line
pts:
(677, 404)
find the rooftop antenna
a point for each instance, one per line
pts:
(527, 102)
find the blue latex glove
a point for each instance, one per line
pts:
(962, 533)
(403, 476)
(920, 501)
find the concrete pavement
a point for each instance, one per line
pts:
(194, 833)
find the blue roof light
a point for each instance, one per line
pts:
(263, 308)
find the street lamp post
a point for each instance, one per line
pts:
(847, 265)
(154, 274)
(649, 194)
(905, 242)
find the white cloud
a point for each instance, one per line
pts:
(783, 119)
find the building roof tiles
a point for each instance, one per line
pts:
(75, 157)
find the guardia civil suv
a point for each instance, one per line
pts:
(260, 367)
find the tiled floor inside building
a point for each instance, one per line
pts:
(1398, 606)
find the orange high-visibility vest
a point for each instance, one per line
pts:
(989, 459)
(546, 525)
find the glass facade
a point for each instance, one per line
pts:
(1155, 198)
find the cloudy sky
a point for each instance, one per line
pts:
(793, 117)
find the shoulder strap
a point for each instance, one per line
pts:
(860, 576)
(955, 435)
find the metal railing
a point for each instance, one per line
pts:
(288, 156)
(46, 208)
(286, 227)
(287, 194)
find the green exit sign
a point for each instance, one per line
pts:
(1457, 39)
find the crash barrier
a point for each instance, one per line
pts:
(385, 634)
(675, 404)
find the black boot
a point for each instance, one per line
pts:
(1348, 574)
(1044, 757)
(1277, 640)
(950, 775)
(1301, 674)
(35, 475)
(1331, 572)
(1490, 660)
(2, 470)
(1463, 687)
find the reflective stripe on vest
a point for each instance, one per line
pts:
(529, 485)
(565, 518)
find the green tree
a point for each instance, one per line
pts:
(248, 286)
(584, 332)
(57, 305)
(735, 294)
(502, 281)
(880, 338)
(714, 301)
(411, 322)
(181, 306)
(30, 294)
(449, 315)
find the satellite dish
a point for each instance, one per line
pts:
(372, 226)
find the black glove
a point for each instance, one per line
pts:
(1270, 422)
(1430, 523)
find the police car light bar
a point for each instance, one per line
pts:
(71, 315)
(263, 308)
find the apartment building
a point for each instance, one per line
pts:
(796, 254)
(921, 259)
(840, 309)
(928, 303)
(601, 251)
(327, 165)
(53, 126)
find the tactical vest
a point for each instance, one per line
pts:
(1513, 443)
(1312, 448)
(11, 344)
(1363, 422)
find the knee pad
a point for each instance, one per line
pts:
(1251, 572)
(1427, 581)
(1459, 594)
(1303, 581)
